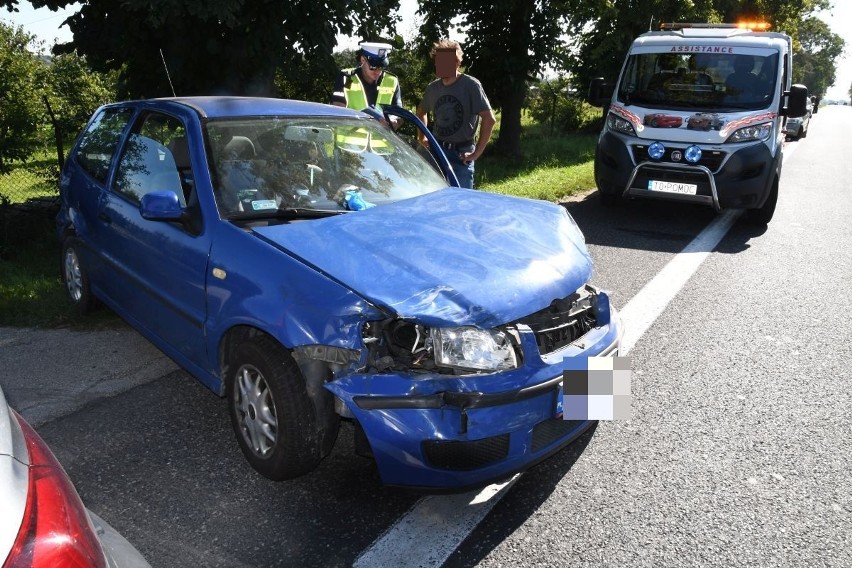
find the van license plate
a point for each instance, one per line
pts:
(672, 187)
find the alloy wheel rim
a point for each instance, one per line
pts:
(73, 275)
(256, 411)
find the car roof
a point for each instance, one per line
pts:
(233, 106)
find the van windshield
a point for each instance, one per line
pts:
(719, 81)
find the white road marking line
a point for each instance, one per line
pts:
(432, 529)
(646, 306)
(437, 524)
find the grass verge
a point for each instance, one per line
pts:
(552, 168)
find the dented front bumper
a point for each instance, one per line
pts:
(455, 432)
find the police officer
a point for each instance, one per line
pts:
(368, 85)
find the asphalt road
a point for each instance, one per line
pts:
(738, 451)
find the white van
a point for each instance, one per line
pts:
(697, 115)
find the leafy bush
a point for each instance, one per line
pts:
(560, 106)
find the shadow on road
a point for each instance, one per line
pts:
(161, 465)
(538, 483)
(652, 225)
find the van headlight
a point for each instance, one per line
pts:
(472, 348)
(749, 133)
(615, 122)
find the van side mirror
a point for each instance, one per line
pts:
(797, 101)
(600, 92)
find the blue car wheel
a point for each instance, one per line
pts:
(75, 278)
(278, 427)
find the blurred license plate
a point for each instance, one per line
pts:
(672, 187)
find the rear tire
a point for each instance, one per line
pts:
(278, 427)
(75, 277)
(763, 215)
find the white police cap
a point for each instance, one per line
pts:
(376, 53)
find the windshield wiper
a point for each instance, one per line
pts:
(284, 213)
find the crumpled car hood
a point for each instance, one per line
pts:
(452, 257)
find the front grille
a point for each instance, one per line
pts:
(670, 174)
(547, 432)
(474, 454)
(563, 322)
(710, 159)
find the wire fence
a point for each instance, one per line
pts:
(28, 181)
(29, 200)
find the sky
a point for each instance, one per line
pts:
(44, 24)
(41, 23)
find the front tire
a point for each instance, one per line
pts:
(278, 427)
(609, 199)
(763, 215)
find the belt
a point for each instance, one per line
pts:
(456, 145)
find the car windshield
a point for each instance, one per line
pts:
(265, 166)
(722, 81)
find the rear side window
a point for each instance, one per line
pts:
(99, 141)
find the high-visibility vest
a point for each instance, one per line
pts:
(357, 99)
(358, 139)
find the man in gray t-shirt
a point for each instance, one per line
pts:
(458, 106)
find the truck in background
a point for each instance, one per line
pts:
(697, 115)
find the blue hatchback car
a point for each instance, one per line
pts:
(308, 264)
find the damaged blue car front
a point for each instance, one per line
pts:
(310, 266)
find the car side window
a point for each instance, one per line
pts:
(100, 140)
(146, 166)
(150, 161)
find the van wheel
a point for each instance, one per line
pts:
(764, 214)
(75, 277)
(277, 425)
(609, 199)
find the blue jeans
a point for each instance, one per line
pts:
(463, 171)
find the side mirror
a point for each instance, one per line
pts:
(797, 101)
(600, 92)
(161, 206)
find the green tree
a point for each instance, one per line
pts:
(814, 61)
(413, 68)
(600, 32)
(508, 43)
(20, 108)
(196, 47)
(784, 15)
(70, 93)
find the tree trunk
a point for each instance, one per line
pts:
(57, 132)
(509, 143)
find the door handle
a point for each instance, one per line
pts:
(104, 217)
